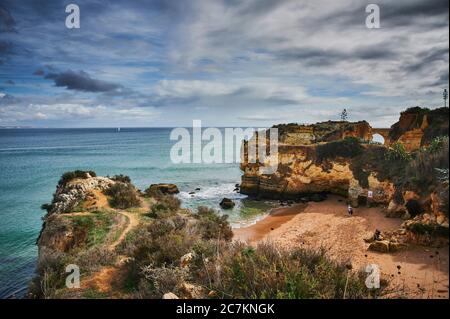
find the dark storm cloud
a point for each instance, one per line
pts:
(397, 14)
(5, 48)
(427, 58)
(81, 81)
(442, 81)
(7, 22)
(318, 57)
(406, 12)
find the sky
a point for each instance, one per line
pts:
(227, 63)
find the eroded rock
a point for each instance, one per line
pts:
(227, 203)
(164, 188)
(381, 246)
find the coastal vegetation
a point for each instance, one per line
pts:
(68, 176)
(123, 195)
(175, 250)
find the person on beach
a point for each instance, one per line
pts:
(350, 210)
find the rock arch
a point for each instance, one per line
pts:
(384, 132)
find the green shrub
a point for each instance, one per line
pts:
(94, 228)
(437, 144)
(93, 259)
(165, 204)
(212, 225)
(123, 195)
(121, 178)
(163, 279)
(397, 152)
(421, 171)
(68, 176)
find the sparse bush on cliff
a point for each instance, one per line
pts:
(121, 178)
(94, 259)
(397, 152)
(162, 279)
(212, 225)
(50, 274)
(68, 176)
(442, 175)
(421, 171)
(165, 204)
(347, 148)
(123, 195)
(438, 124)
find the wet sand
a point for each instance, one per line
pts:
(276, 218)
(423, 271)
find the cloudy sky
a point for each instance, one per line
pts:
(225, 62)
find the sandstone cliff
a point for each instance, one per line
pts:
(418, 126)
(339, 158)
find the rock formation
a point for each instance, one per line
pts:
(69, 194)
(164, 188)
(314, 159)
(339, 158)
(418, 126)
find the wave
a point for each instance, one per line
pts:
(212, 192)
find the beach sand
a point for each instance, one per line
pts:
(423, 271)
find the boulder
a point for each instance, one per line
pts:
(170, 295)
(395, 210)
(227, 203)
(165, 188)
(381, 246)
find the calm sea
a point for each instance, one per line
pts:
(32, 160)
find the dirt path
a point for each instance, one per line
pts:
(132, 221)
(423, 272)
(104, 280)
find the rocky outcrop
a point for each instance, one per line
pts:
(164, 188)
(69, 194)
(337, 157)
(317, 161)
(227, 203)
(418, 126)
(293, 134)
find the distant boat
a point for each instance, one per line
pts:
(118, 129)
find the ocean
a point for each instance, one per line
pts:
(32, 161)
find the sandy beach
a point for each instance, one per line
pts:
(417, 272)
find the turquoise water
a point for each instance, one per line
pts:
(32, 160)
